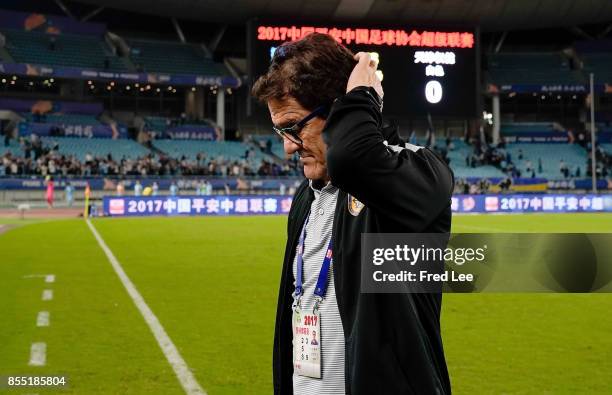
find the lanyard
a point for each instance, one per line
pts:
(322, 281)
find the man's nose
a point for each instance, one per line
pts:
(290, 147)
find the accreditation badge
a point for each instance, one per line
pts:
(307, 343)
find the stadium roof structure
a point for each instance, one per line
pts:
(491, 15)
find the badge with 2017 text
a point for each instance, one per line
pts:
(307, 344)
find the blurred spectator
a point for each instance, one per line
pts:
(137, 188)
(42, 159)
(120, 188)
(483, 185)
(581, 139)
(69, 194)
(50, 191)
(564, 169)
(505, 184)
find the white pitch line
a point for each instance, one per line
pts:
(47, 294)
(478, 228)
(43, 318)
(182, 371)
(50, 278)
(38, 354)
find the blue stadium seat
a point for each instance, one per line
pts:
(551, 154)
(13, 147)
(527, 127)
(65, 119)
(174, 58)
(458, 158)
(155, 124)
(600, 64)
(277, 143)
(86, 51)
(532, 69)
(227, 150)
(79, 147)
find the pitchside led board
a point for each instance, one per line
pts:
(425, 70)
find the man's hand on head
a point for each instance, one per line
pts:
(364, 74)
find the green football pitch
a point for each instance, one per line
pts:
(212, 283)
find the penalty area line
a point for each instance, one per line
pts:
(176, 361)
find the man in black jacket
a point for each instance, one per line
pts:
(361, 178)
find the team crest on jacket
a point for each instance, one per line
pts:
(354, 206)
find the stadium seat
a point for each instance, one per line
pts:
(79, 147)
(602, 127)
(551, 155)
(277, 143)
(600, 64)
(64, 119)
(13, 147)
(173, 57)
(458, 158)
(156, 124)
(532, 69)
(527, 127)
(227, 150)
(86, 51)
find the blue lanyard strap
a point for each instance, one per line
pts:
(322, 281)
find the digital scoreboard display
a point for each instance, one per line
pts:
(425, 70)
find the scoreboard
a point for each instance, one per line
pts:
(425, 70)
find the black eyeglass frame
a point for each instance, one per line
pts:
(292, 132)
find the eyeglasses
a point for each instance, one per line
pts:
(291, 133)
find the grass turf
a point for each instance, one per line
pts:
(213, 283)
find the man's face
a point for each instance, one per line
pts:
(288, 112)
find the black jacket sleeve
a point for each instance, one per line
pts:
(409, 187)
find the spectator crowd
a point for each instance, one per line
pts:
(46, 160)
